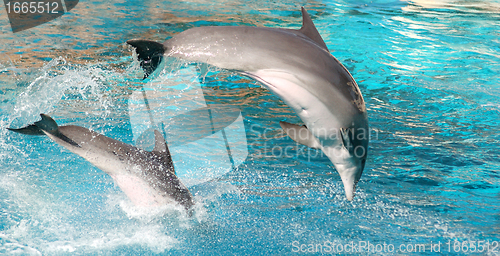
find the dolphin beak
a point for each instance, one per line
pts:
(349, 186)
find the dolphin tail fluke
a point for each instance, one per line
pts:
(46, 124)
(44, 127)
(28, 130)
(150, 54)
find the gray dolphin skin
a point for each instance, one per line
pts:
(147, 178)
(295, 65)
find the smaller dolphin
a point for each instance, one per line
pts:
(147, 178)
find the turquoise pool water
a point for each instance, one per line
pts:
(430, 75)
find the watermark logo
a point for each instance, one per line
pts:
(346, 148)
(206, 139)
(366, 247)
(28, 14)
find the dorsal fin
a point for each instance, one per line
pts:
(160, 144)
(161, 149)
(309, 30)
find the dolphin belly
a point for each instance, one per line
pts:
(139, 191)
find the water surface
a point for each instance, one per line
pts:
(429, 73)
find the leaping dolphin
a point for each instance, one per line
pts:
(147, 178)
(295, 65)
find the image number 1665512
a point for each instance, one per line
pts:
(32, 7)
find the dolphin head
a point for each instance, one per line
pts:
(350, 170)
(351, 164)
(349, 156)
